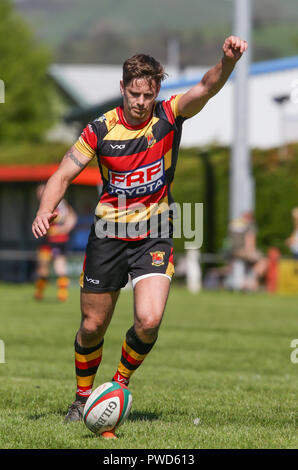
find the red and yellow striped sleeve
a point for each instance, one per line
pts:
(87, 142)
(171, 107)
(174, 104)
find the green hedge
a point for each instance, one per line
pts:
(276, 191)
(37, 154)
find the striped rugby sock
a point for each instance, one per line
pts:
(87, 361)
(40, 285)
(134, 351)
(62, 283)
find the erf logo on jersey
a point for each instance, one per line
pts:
(139, 182)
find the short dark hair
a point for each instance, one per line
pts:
(143, 66)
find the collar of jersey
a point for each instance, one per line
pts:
(129, 126)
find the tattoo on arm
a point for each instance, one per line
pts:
(70, 155)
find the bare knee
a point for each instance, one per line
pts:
(97, 311)
(150, 296)
(147, 327)
(91, 325)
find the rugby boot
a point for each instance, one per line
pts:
(75, 412)
(38, 295)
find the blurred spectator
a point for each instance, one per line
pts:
(249, 264)
(292, 241)
(54, 249)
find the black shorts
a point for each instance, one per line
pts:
(109, 262)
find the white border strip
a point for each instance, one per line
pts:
(139, 278)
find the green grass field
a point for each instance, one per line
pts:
(219, 377)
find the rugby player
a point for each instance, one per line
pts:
(136, 146)
(54, 248)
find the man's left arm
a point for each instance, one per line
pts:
(195, 99)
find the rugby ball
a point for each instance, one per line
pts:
(107, 407)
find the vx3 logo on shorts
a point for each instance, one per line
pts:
(92, 281)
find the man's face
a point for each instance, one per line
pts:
(139, 96)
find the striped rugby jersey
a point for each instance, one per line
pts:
(137, 165)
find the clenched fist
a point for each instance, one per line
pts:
(234, 47)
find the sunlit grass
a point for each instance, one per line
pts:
(219, 376)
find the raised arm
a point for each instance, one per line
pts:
(71, 165)
(195, 99)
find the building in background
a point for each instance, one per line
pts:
(92, 90)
